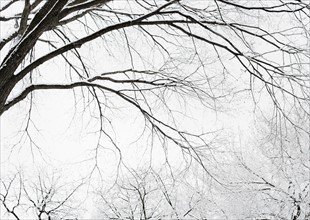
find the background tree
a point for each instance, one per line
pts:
(44, 198)
(155, 195)
(283, 182)
(270, 172)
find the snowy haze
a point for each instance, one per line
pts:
(58, 132)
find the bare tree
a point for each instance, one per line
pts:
(157, 60)
(274, 180)
(155, 195)
(43, 198)
(224, 28)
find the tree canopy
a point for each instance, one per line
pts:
(161, 84)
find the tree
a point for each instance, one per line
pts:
(143, 195)
(165, 26)
(155, 195)
(171, 67)
(271, 172)
(44, 198)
